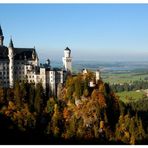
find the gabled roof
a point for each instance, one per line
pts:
(24, 53)
(1, 32)
(3, 53)
(19, 53)
(67, 49)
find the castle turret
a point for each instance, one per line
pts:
(98, 77)
(67, 60)
(48, 63)
(11, 63)
(1, 37)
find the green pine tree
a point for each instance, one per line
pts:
(38, 98)
(17, 94)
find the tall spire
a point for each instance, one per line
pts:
(11, 43)
(1, 36)
(1, 32)
(11, 63)
(33, 53)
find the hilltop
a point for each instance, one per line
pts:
(80, 114)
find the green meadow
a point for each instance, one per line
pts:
(126, 77)
(123, 77)
(130, 96)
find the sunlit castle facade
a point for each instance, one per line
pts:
(22, 64)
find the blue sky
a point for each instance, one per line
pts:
(92, 31)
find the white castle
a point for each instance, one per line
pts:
(22, 64)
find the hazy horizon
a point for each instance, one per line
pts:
(108, 32)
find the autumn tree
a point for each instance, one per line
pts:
(94, 94)
(50, 106)
(31, 96)
(38, 98)
(86, 92)
(130, 129)
(86, 88)
(78, 89)
(55, 121)
(70, 128)
(23, 90)
(2, 95)
(101, 99)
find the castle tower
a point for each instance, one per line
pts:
(98, 76)
(48, 63)
(67, 60)
(11, 63)
(1, 37)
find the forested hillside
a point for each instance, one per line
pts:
(80, 114)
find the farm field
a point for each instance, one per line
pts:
(128, 77)
(130, 96)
